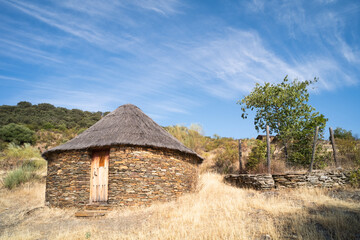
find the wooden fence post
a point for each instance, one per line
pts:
(268, 149)
(333, 145)
(314, 148)
(241, 170)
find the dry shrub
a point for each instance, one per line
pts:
(226, 159)
(14, 155)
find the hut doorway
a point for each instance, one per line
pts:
(99, 176)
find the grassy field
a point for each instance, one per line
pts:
(214, 211)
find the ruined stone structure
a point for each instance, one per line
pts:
(125, 159)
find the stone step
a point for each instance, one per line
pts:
(98, 207)
(90, 214)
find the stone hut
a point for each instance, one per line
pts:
(125, 159)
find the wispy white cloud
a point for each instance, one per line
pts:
(11, 79)
(232, 64)
(24, 52)
(165, 7)
(82, 27)
(164, 73)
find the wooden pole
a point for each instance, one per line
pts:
(314, 148)
(241, 170)
(268, 149)
(333, 146)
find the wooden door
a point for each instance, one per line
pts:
(99, 176)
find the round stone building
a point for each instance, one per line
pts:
(125, 159)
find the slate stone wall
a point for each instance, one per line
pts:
(68, 179)
(255, 181)
(137, 176)
(267, 181)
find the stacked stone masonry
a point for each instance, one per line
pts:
(267, 181)
(137, 176)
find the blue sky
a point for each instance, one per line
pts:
(181, 62)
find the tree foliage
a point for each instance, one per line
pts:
(47, 116)
(257, 155)
(341, 133)
(348, 146)
(285, 108)
(17, 134)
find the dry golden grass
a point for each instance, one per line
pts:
(215, 211)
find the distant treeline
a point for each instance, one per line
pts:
(47, 116)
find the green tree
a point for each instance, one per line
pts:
(17, 134)
(341, 133)
(284, 107)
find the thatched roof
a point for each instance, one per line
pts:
(127, 125)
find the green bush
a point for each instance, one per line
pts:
(300, 153)
(257, 155)
(34, 164)
(19, 176)
(17, 134)
(47, 116)
(355, 178)
(341, 133)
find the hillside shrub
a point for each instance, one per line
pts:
(257, 155)
(20, 175)
(225, 160)
(349, 150)
(301, 150)
(191, 137)
(47, 116)
(355, 178)
(3, 145)
(15, 155)
(25, 152)
(17, 134)
(341, 133)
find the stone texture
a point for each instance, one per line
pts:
(255, 181)
(137, 176)
(266, 181)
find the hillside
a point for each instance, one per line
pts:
(53, 126)
(47, 116)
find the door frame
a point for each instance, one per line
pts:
(106, 154)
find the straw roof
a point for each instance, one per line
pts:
(127, 125)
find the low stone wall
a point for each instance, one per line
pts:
(267, 181)
(255, 181)
(316, 179)
(137, 176)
